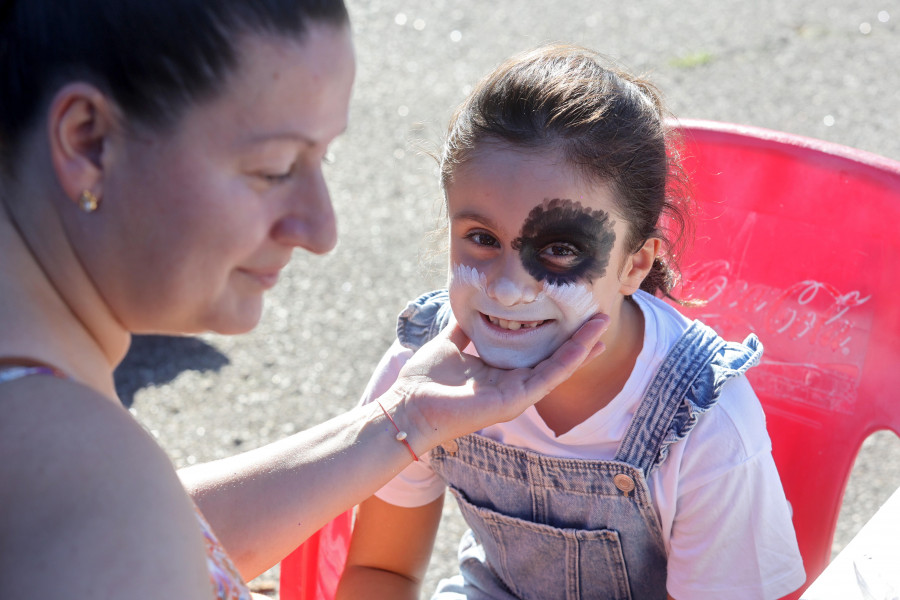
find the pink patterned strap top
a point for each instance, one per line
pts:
(227, 582)
(224, 575)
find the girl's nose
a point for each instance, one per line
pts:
(513, 286)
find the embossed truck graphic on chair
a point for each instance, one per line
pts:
(813, 319)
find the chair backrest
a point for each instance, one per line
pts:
(797, 241)
(312, 571)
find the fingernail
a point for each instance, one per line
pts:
(605, 319)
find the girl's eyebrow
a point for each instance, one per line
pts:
(471, 215)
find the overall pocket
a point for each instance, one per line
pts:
(537, 561)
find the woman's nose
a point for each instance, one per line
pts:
(513, 285)
(309, 221)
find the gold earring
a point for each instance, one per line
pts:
(87, 201)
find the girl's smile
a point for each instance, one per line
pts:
(513, 325)
(506, 332)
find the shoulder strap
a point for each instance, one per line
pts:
(687, 384)
(423, 318)
(29, 364)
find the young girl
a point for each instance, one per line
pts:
(648, 474)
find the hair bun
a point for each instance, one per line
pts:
(6, 12)
(6, 8)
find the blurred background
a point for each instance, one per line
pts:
(826, 70)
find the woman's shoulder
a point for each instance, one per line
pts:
(86, 489)
(46, 416)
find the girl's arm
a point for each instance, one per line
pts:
(262, 504)
(390, 550)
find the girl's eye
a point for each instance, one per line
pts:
(481, 238)
(560, 256)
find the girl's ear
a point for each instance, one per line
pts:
(80, 121)
(638, 265)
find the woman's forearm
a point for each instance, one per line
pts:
(263, 503)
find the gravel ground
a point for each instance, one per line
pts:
(824, 70)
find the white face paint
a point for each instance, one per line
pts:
(517, 328)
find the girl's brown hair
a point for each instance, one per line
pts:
(608, 124)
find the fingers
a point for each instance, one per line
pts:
(584, 345)
(456, 335)
(589, 333)
(597, 350)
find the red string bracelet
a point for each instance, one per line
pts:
(401, 435)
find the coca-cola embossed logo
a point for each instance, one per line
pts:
(815, 335)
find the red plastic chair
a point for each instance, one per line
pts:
(796, 241)
(312, 571)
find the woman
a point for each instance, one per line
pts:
(160, 161)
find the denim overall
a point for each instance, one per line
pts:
(543, 527)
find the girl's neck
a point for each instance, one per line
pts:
(50, 311)
(597, 383)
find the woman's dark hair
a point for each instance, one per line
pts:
(609, 125)
(155, 58)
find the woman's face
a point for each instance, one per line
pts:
(534, 252)
(196, 224)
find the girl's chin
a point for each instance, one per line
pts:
(502, 358)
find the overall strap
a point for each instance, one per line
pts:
(687, 384)
(12, 368)
(423, 318)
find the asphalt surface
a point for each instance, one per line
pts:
(826, 70)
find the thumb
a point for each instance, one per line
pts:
(455, 334)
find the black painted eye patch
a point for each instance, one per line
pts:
(562, 221)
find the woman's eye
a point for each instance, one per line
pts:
(561, 256)
(276, 178)
(483, 239)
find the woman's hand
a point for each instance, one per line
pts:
(443, 393)
(264, 502)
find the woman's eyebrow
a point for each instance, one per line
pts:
(288, 136)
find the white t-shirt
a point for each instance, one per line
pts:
(726, 523)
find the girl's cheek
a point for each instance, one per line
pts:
(576, 298)
(464, 276)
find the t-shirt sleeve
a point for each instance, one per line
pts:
(732, 535)
(417, 484)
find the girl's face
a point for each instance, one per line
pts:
(534, 252)
(196, 224)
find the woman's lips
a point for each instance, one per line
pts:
(266, 280)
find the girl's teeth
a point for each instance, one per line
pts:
(513, 325)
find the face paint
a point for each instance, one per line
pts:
(466, 275)
(562, 242)
(521, 335)
(577, 297)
